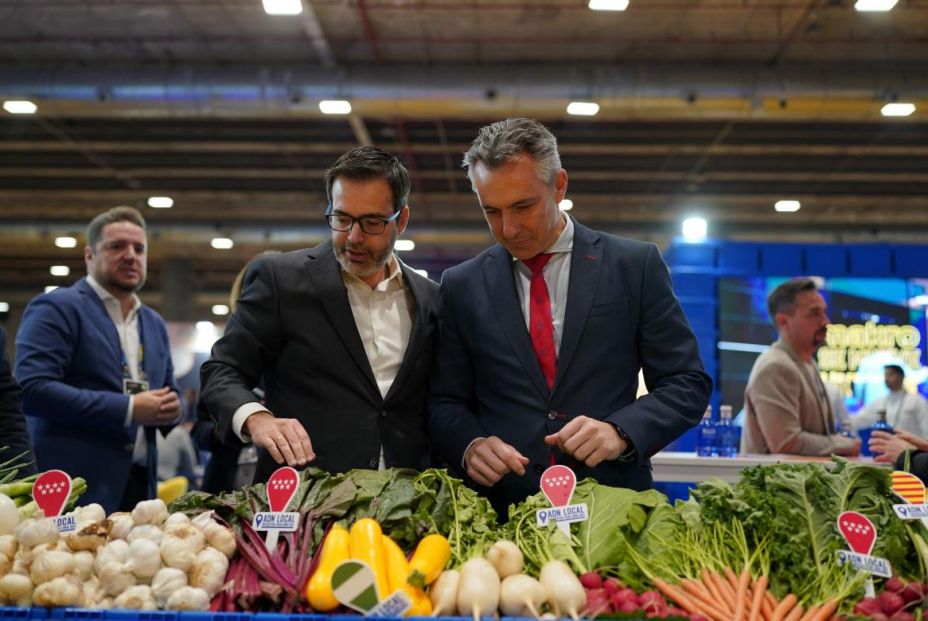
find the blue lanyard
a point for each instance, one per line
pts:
(126, 374)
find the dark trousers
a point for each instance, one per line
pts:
(136, 488)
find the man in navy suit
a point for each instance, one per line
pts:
(541, 337)
(96, 372)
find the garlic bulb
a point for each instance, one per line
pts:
(90, 513)
(208, 571)
(113, 553)
(181, 545)
(166, 582)
(16, 590)
(34, 531)
(92, 591)
(122, 524)
(150, 512)
(62, 591)
(146, 531)
(9, 515)
(176, 519)
(90, 536)
(8, 546)
(83, 565)
(115, 578)
(137, 598)
(188, 598)
(143, 558)
(51, 564)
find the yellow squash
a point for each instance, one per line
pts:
(397, 571)
(365, 544)
(429, 560)
(334, 551)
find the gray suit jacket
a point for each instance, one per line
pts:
(294, 334)
(782, 411)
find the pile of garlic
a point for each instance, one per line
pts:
(144, 560)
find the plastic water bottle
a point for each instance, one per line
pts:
(726, 435)
(706, 435)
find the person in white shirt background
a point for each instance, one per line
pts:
(904, 411)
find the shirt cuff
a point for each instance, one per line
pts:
(128, 422)
(241, 415)
(463, 462)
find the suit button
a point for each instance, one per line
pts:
(539, 468)
(552, 415)
(372, 464)
(383, 413)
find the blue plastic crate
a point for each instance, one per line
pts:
(23, 613)
(141, 615)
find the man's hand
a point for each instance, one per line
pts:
(489, 459)
(890, 446)
(589, 440)
(919, 443)
(155, 407)
(284, 438)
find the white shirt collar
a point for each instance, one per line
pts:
(106, 296)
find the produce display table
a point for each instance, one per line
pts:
(676, 467)
(51, 614)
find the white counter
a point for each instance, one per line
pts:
(672, 467)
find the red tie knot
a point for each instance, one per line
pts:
(538, 262)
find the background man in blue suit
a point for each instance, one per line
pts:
(538, 355)
(96, 372)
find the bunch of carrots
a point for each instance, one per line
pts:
(736, 597)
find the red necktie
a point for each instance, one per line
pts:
(541, 326)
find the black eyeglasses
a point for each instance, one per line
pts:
(372, 225)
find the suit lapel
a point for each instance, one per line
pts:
(99, 317)
(325, 274)
(810, 384)
(501, 289)
(586, 261)
(419, 319)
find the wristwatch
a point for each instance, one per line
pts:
(630, 453)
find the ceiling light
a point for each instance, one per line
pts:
(566, 204)
(898, 108)
(59, 270)
(160, 202)
(335, 106)
(50, 288)
(66, 242)
(875, 5)
(582, 108)
(282, 7)
(221, 243)
(608, 5)
(787, 206)
(20, 107)
(422, 273)
(919, 300)
(205, 326)
(4, 307)
(220, 309)
(404, 244)
(695, 229)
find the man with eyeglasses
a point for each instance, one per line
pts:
(340, 336)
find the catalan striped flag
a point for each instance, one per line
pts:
(908, 487)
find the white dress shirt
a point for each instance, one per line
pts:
(383, 316)
(904, 412)
(127, 328)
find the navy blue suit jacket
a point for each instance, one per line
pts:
(621, 315)
(68, 361)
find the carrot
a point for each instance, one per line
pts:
(700, 593)
(795, 614)
(810, 613)
(768, 605)
(740, 592)
(825, 612)
(731, 576)
(728, 593)
(760, 588)
(687, 603)
(785, 605)
(713, 588)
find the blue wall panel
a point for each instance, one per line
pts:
(781, 259)
(826, 261)
(739, 258)
(869, 260)
(910, 261)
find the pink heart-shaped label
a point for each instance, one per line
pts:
(51, 491)
(858, 530)
(281, 488)
(558, 484)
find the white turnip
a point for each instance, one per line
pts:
(478, 588)
(565, 593)
(506, 558)
(444, 593)
(521, 596)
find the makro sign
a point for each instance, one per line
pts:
(846, 346)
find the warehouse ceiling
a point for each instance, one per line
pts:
(711, 107)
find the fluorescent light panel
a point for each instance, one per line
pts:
(787, 206)
(59, 270)
(4, 307)
(220, 309)
(608, 5)
(335, 106)
(566, 204)
(582, 108)
(19, 106)
(66, 241)
(898, 108)
(695, 229)
(160, 202)
(404, 244)
(875, 5)
(282, 7)
(221, 243)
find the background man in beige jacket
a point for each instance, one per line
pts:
(787, 409)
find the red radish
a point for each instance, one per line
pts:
(867, 606)
(902, 615)
(878, 616)
(913, 592)
(612, 585)
(591, 580)
(627, 606)
(890, 602)
(894, 584)
(698, 618)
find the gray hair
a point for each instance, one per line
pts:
(498, 143)
(111, 216)
(783, 298)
